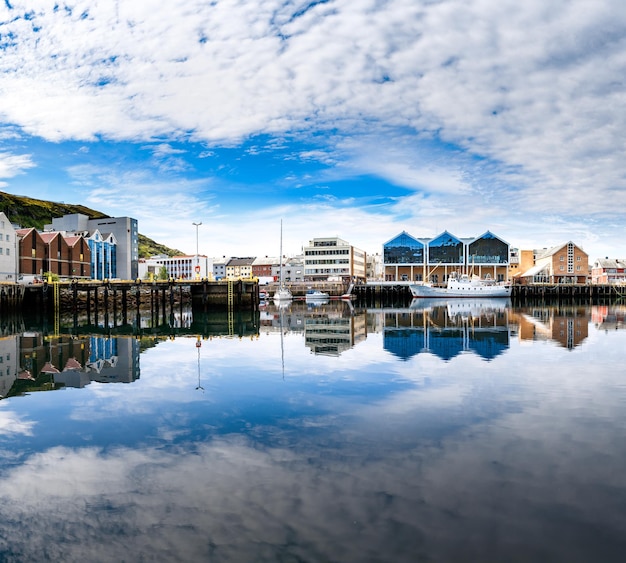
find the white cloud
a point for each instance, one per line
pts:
(533, 87)
(12, 164)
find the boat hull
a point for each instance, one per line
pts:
(457, 291)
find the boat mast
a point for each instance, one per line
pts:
(281, 255)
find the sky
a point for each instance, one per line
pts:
(351, 118)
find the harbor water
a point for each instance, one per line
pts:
(467, 430)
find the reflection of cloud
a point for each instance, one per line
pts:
(315, 498)
(11, 424)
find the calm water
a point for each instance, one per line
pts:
(460, 431)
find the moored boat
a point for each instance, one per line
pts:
(283, 293)
(462, 286)
(316, 294)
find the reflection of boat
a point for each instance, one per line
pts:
(282, 293)
(462, 286)
(313, 303)
(316, 295)
(263, 295)
(476, 307)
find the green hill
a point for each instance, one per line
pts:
(28, 212)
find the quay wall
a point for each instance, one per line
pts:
(547, 292)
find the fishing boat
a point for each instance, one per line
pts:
(282, 293)
(462, 286)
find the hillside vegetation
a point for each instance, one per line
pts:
(28, 212)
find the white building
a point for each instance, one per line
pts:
(333, 259)
(8, 250)
(219, 267)
(178, 267)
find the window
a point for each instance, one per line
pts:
(562, 258)
(578, 258)
(561, 268)
(8, 251)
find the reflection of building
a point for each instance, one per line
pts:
(609, 317)
(75, 361)
(9, 356)
(113, 360)
(566, 327)
(329, 328)
(331, 334)
(406, 258)
(447, 330)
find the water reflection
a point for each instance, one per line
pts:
(357, 448)
(447, 328)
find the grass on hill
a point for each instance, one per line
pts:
(29, 212)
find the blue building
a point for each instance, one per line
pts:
(406, 258)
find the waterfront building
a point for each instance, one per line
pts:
(374, 267)
(123, 229)
(293, 269)
(238, 268)
(219, 267)
(333, 259)
(8, 250)
(406, 258)
(103, 247)
(520, 261)
(177, 267)
(263, 268)
(565, 263)
(609, 271)
(65, 256)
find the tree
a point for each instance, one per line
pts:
(162, 273)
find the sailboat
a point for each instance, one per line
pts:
(282, 293)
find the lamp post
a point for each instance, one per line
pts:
(197, 253)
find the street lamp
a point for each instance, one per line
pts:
(197, 253)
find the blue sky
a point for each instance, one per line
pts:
(350, 118)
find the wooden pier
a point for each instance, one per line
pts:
(131, 296)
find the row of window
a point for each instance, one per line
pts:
(325, 252)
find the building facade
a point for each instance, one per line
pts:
(609, 271)
(334, 259)
(177, 267)
(40, 253)
(124, 231)
(8, 250)
(406, 258)
(238, 268)
(103, 248)
(566, 263)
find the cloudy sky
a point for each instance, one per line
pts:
(350, 118)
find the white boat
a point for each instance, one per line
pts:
(462, 286)
(316, 295)
(282, 293)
